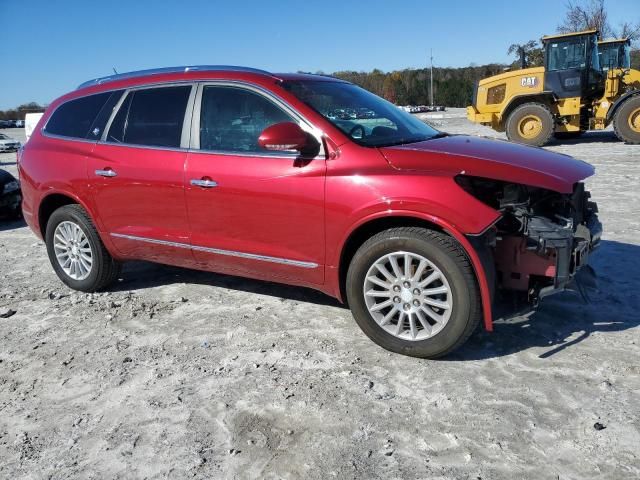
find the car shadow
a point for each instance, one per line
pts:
(598, 136)
(142, 275)
(565, 319)
(11, 223)
(562, 321)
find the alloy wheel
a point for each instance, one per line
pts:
(408, 296)
(73, 250)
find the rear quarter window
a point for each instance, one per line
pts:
(74, 118)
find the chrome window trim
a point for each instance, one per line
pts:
(269, 96)
(68, 139)
(218, 251)
(116, 109)
(43, 131)
(274, 155)
(185, 138)
(195, 119)
(188, 111)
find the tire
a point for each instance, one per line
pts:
(530, 115)
(446, 256)
(626, 121)
(103, 269)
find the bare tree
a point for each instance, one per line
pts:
(629, 30)
(586, 15)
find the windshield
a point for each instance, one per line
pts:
(366, 118)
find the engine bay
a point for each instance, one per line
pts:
(541, 239)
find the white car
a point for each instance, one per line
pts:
(8, 144)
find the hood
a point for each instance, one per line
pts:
(523, 72)
(494, 159)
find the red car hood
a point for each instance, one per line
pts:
(495, 159)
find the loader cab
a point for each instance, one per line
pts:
(615, 54)
(572, 67)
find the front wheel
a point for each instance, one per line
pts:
(626, 121)
(412, 291)
(76, 251)
(530, 124)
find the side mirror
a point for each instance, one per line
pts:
(283, 136)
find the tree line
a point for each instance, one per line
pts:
(19, 112)
(452, 87)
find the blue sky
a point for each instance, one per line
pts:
(49, 47)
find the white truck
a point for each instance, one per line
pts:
(30, 122)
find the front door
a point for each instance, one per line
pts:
(252, 212)
(137, 176)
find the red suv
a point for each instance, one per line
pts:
(245, 172)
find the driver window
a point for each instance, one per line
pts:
(232, 119)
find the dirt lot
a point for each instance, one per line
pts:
(176, 374)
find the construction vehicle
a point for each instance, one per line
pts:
(568, 96)
(615, 53)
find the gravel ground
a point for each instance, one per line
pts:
(182, 374)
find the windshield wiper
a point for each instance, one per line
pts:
(406, 141)
(438, 135)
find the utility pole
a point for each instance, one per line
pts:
(431, 89)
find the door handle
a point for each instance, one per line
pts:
(204, 183)
(106, 173)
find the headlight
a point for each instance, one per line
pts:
(11, 186)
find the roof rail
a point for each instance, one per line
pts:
(183, 69)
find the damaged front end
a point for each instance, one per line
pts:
(539, 246)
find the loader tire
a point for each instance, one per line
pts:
(626, 121)
(530, 124)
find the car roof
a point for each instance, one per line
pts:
(201, 71)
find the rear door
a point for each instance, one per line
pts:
(136, 174)
(253, 212)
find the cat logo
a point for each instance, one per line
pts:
(529, 82)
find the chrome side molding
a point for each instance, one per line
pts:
(218, 251)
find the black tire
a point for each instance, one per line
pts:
(622, 118)
(537, 110)
(104, 269)
(445, 253)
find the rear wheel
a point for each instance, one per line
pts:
(530, 124)
(626, 121)
(76, 251)
(412, 291)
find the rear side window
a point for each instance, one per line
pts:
(75, 117)
(152, 117)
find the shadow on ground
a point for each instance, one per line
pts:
(141, 275)
(562, 321)
(601, 136)
(11, 224)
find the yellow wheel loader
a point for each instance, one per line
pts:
(568, 96)
(614, 53)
